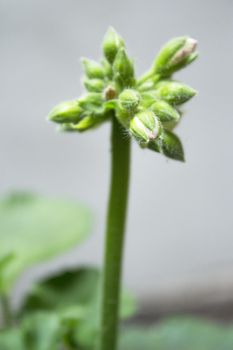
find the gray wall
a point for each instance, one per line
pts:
(180, 227)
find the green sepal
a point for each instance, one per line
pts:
(123, 70)
(146, 86)
(174, 92)
(149, 83)
(185, 62)
(111, 44)
(129, 99)
(107, 68)
(145, 126)
(154, 146)
(148, 98)
(93, 69)
(92, 102)
(89, 122)
(174, 55)
(94, 85)
(167, 114)
(66, 112)
(171, 146)
(110, 105)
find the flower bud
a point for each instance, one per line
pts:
(145, 126)
(94, 85)
(148, 98)
(66, 112)
(111, 44)
(92, 69)
(171, 146)
(86, 123)
(123, 70)
(107, 68)
(146, 86)
(174, 92)
(175, 55)
(91, 101)
(129, 99)
(167, 114)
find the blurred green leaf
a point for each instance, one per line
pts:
(42, 331)
(62, 291)
(11, 340)
(34, 229)
(75, 296)
(179, 334)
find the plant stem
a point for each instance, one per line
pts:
(115, 227)
(6, 311)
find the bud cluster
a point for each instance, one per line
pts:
(147, 108)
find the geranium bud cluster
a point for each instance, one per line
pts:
(148, 107)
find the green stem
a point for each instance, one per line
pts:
(145, 77)
(115, 227)
(6, 311)
(155, 77)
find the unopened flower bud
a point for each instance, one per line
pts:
(145, 126)
(175, 55)
(148, 98)
(86, 123)
(129, 99)
(91, 101)
(107, 68)
(184, 52)
(93, 69)
(167, 114)
(171, 146)
(94, 85)
(66, 112)
(111, 44)
(123, 70)
(174, 92)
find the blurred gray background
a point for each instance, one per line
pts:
(180, 228)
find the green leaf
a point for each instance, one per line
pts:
(42, 332)
(75, 296)
(62, 291)
(34, 229)
(179, 334)
(11, 340)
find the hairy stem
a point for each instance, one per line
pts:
(115, 227)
